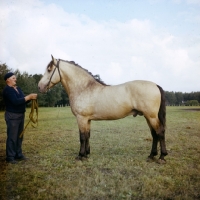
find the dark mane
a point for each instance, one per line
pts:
(95, 77)
(50, 63)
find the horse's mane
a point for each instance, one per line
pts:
(77, 65)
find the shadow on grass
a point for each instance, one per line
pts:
(191, 109)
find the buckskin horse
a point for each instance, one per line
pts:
(92, 99)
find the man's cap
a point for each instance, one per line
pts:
(8, 75)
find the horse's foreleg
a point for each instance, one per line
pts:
(87, 144)
(84, 144)
(82, 152)
(84, 132)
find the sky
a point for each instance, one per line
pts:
(120, 40)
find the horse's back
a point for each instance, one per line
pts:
(136, 91)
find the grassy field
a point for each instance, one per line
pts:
(117, 167)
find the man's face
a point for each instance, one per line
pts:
(12, 81)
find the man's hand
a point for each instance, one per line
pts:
(31, 96)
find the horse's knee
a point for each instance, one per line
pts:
(84, 137)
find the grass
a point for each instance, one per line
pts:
(117, 167)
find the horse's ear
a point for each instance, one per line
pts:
(53, 59)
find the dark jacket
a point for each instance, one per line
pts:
(15, 102)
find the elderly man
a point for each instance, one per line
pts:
(15, 102)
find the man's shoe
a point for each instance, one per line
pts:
(21, 158)
(11, 161)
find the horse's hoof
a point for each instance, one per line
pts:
(84, 158)
(78, 158)
(161, 161)
(81, 158)
(149, 159)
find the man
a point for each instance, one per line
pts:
(15, 102)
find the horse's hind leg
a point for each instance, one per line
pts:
(158, 134)
(154, 150)
(161, 136)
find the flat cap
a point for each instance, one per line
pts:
(8, 75)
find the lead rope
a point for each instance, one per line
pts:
(32, 117)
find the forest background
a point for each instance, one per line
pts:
(57, 95)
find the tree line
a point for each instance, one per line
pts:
(57, 95)
(179, 98)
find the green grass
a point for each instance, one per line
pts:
(116, 168)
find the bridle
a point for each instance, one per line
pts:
(56, 67)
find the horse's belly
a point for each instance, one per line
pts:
(111, 113)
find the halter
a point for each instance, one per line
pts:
(56, 67)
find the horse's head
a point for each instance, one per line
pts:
(51, 76)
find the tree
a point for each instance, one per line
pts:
(26, 82)
(3, 70)
(170, 98)
(64, 98)
(53, 95)
(192, 103)
(179, 98)
(37, 77)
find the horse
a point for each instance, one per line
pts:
(91, 99)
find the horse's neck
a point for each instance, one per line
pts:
(75, 79)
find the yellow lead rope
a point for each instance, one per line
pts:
(32, 117)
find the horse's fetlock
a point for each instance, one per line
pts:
(88, 151)
(164, 153)
(154, 153)
(81, 154)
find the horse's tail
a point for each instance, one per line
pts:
(162, 109)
